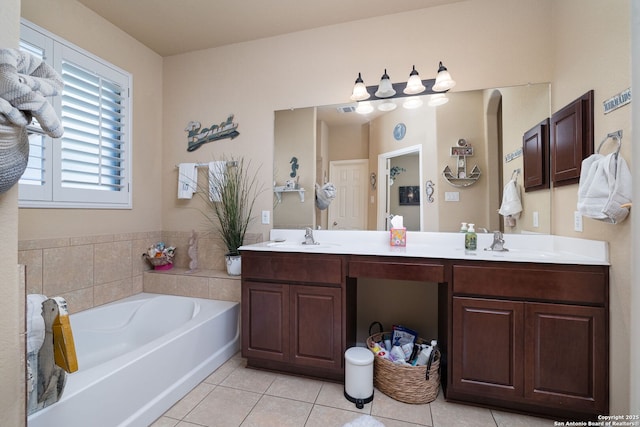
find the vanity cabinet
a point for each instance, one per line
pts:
(293, 316)
(531, 337)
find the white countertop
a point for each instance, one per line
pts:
(522, 247)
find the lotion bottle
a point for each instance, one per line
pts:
(471, 239)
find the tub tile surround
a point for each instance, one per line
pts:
(93, 270)
(235, 395)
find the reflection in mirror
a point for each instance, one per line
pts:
(336, 144)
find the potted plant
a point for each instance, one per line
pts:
(233, 190)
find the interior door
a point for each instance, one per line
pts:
(348, 211)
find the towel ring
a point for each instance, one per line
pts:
(617, 135)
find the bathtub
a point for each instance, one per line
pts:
(140, 355)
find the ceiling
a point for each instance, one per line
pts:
(171, 27)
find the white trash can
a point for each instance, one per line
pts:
(358, 376)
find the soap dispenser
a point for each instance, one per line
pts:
(463, 227)
(471, 239)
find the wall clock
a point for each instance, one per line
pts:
(399, 131)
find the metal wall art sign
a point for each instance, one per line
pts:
(198, 136)
(617, 101)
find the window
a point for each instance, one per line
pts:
(90, 165)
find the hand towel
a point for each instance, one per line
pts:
(35, 322)
(325, 195)
(605, 184)
(511, 203)
(216, 179)
(187, 180)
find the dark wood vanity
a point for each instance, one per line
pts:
(530, 337)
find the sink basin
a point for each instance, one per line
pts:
(300, 246)
(522, 253)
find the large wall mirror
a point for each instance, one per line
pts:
(392, 162)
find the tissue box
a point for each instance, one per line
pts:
(399, 236)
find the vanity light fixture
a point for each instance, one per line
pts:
(364, 107)
(385, 89)
(438, 99)
(443, 79)
(359, 90)
(411, 103)
(387, 105)
(414, 86)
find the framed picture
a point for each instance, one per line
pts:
(409, 195)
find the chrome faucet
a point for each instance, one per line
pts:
(308, 237)
(498, 243)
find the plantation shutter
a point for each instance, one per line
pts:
(92, 149)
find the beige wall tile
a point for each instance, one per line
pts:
(224, 289)
(78, 300)
(191, 286)
(89, 240)
(66, 269)
(112, 291)
(137, 284)
(25, 245)
(32, 259)
(112, 261)
(159, 283)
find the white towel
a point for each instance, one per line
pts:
(511, 203)
(35, 322)
(605, 184)
(187, 180)
(216, 178)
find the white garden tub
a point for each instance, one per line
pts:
(140, 355)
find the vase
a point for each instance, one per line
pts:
(234, 266)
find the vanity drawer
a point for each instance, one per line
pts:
(384, 268)
(573, 284)
(288, 267)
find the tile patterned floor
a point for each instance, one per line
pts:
(236, 396)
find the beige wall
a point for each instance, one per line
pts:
(12, 324)
(578, 45)
(77, 24)
(296, 129)
(592, 40)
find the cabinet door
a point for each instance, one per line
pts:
(571, 136)
(566, 360)
(265, 321)
(535, 153)
(487, 347)
(316, 326)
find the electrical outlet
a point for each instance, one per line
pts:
(577, 221)
(536, 219)
(266, 217)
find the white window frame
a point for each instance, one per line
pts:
(52, 193)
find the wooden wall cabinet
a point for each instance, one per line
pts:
(535, 152)
(571, 139)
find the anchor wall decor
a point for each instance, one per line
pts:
(461, 178)
(198, 136)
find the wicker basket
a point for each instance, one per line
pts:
(408, 384)
(158, 261)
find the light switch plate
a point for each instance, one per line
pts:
(536, 219)
(577, 221)
(266, 217)
(451, 196)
